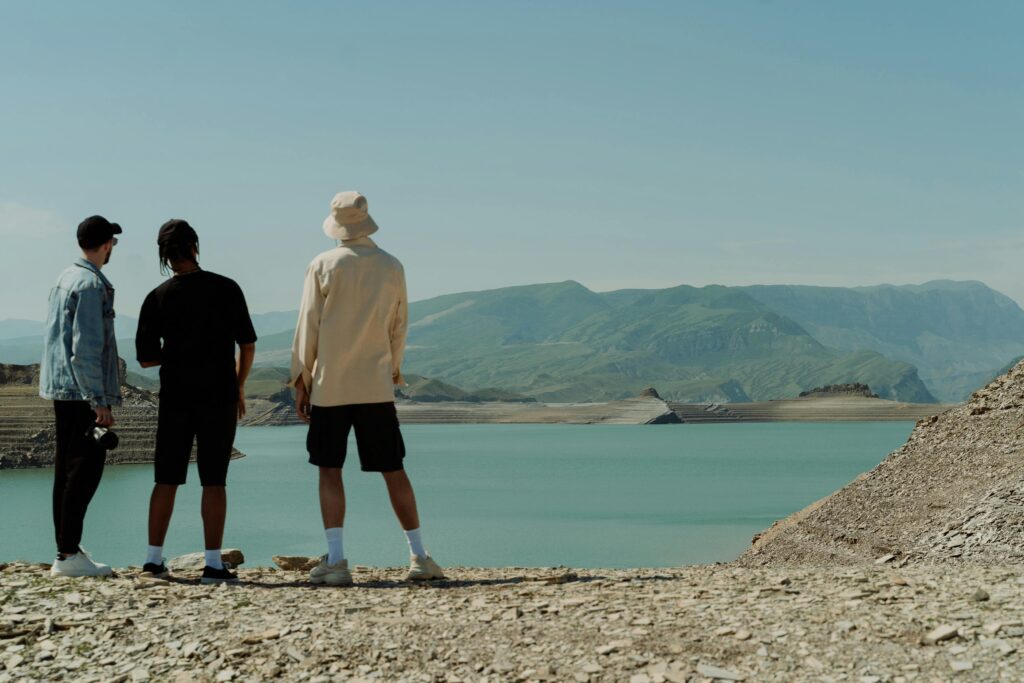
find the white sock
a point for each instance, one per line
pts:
(335, 547)
(213, 559)
(154, 554)
(415, 543)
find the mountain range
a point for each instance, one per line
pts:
(564, 342)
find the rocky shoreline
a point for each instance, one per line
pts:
(869, 625)
(954, 493)
(914, 572)
(701, 623)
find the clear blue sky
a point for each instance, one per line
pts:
(619, 144)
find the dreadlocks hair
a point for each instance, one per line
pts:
(176, 250)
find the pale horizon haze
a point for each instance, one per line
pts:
(506, 143)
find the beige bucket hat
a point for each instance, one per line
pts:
(349, 218)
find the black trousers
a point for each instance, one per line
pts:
(76, 473)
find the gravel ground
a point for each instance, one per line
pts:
(868, 625)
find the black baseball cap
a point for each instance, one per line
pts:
(177, 230)
(95, 231)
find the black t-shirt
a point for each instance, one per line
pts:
(199, 317)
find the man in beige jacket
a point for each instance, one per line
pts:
(346, 360)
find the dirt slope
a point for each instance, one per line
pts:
(953, 493)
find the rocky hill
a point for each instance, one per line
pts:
(954, 493)
(26, 422)
(561, 342)
(957, 334)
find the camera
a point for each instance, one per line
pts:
(104, 438)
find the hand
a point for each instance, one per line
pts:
(302, 406)
(241, 402)
(397, 379)
(104, 418)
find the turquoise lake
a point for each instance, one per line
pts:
(491, 495)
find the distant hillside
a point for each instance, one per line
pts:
(958, 334)
(267, 382)
(562, 342)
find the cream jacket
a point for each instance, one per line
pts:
(350, 337)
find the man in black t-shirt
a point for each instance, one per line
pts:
(189, 326)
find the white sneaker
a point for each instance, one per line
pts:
(423, 569)
(79, 564)
(336, 574)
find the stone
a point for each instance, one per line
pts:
(939, 634)
(960, 665)
(196, 561)
(980, 595)
(718, 673)
(295, 563)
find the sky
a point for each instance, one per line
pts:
(619, 144)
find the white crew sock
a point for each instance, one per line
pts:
(154, 554)
(415, 543)
(335, 547)
(213, 559)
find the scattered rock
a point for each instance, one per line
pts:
(196, 561)
(295, 563)
(939, 634)
(718, 673)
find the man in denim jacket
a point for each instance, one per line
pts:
(80, 374)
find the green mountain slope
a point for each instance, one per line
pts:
(562, 342)
(956, 333)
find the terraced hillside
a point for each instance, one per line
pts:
(26, 423)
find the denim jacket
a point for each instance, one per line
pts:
(80, 361)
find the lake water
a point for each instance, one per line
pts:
(491, 495)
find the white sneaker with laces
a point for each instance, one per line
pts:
(336, 574)
(423, 569)
(79, 564)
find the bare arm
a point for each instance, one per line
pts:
(246, 354)
(149, 363)
(302, 406)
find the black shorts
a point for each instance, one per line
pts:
(211, 425)
(378, 437)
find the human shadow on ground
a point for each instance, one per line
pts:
(383, 583)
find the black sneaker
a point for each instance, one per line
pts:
(152, 570)
(211, 576)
